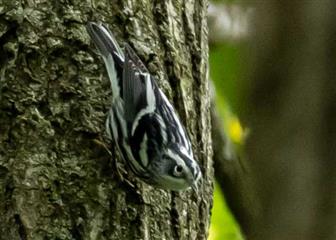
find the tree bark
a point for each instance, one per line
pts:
(57, 181)
(292, 111)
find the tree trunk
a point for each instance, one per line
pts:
(57, 181)
(292, 111)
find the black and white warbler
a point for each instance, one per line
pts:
(141, 121)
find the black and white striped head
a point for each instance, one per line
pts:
(177, 169)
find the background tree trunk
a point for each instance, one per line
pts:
(292, 111)
(57, 181)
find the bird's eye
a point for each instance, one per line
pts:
(178, 170)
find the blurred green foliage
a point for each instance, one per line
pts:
(223, 226)
(225, 72)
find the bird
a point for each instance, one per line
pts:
(141, 121)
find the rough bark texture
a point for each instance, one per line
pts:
(292, 103)
(57, 181)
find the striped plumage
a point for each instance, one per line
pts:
(141, 121)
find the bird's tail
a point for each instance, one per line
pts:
(105, 41)
(110, 51)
